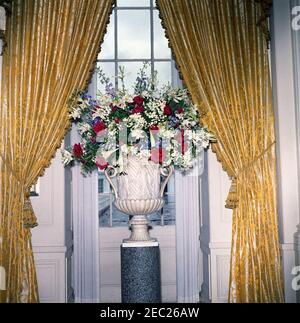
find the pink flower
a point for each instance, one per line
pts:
(167, 110)
(158, 155)
(180, 139)
(101, 162)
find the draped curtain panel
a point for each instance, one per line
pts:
(221, 50)
(51, 49)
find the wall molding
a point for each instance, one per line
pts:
(285, 79)
(296, 60)
(188, 253)
(215, 233)
(49, 249)
(51, 277)
(86, 234)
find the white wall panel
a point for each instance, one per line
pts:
(215, 235)
(285, 67)
(52, 238)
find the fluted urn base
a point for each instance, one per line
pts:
(139, 226)
(139, 223)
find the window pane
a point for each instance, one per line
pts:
(120, 219)
(109, 71)
(161, 49)
(108, 45)
(134, 34)
(133, 3)
(168, 211)
(131, 71)
(103, 183)
(164, 72)
(169, 207)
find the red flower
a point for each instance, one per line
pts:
(167, 110)
(117, 120)
(138, 100)
(114, 108)
(137, 109)
(154, 127)
(77, 151)
(180, 110)
(99, 126)
(158, 155)
(101, 162)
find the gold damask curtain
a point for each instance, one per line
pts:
(221, 51)
(51, 49)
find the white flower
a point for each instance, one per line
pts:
(123, 100)
(102, 113)
(136, 121)
(138, 134)
(107, 154)
(75, 114)
(105, 100)
(83, 128)
(82, 103)
(67, 157)
(124, 149)
(166, 133)
(185, 123)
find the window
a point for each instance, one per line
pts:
(101, 185)
(134, 36)
(35, 189)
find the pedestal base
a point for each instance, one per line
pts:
(140, 272)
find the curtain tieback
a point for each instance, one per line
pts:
(29, 218)
(232, 198)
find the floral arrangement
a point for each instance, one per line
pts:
(162, 125)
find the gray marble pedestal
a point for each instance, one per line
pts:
(140, 272)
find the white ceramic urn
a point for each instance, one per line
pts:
(138, 192)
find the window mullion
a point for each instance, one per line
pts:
(152, 38)
(116, 48)
(107, 60)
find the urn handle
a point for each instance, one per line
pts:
(167, 173)
(111, 172)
